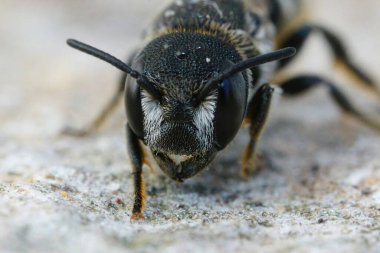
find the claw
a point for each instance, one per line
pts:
(251, 164)
(251, 168)
(137, 217)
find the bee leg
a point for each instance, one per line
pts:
(298, 85)
(103, 115)
(136, 157)
(257, 113)
(297, 39)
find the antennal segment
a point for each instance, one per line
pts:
(241, 66)
(141, 79)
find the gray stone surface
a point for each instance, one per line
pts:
(319, 191)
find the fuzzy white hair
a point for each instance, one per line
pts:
(202, 120)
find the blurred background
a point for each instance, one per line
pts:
(44, 83)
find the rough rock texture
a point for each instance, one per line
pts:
(319, 191)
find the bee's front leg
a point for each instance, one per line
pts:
(136, 157)
(257, 113)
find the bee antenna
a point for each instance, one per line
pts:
(141, 79)
(243, 65)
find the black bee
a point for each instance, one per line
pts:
(201, 74)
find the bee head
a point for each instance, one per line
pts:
(186, 97)
(179, 121)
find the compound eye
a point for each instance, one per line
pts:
(133, 102)
(230, 111)
(226, 87)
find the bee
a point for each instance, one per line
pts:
(203, 72)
